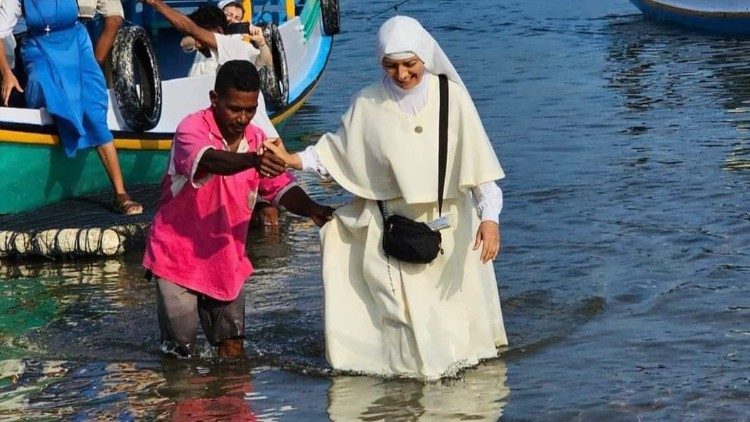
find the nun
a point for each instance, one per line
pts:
(386, 317)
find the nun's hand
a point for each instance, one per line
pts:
(321, 215)
(488, 237)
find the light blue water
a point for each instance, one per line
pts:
(623, 275)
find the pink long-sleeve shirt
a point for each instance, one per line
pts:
(197, 239)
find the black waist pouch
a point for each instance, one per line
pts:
(410, 241)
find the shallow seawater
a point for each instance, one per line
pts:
(624, 272)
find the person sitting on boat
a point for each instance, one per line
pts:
(234, 13)
(58, 57)
(196, 244)
(113, 14)
(207, 25)
(384, 316)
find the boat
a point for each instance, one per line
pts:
(728, 17)
(34, 170)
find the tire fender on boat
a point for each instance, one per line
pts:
(274, 81)
(135, 78)
(331, 16)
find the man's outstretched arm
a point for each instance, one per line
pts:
(297, 201)
(183, 23)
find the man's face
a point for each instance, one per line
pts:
(233, 111)
(233, 14)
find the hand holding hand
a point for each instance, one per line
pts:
(276, 147)
(9, 84)
(269, 164)
(488, 236)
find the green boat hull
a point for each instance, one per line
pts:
(44, 174)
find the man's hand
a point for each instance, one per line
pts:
(9, 84)
(297, 201)
(321, 214)
(488, 236)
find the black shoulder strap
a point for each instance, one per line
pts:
(443, 148)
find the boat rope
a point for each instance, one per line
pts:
(394, 8)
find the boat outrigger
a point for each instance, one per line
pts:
(150, 95)
(730, 17)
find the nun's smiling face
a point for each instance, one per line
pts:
(406, 73)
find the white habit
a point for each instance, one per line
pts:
(382, 316)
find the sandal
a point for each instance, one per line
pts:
(126, 205)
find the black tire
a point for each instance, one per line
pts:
(331, 16)
(135, 78)
(275, 82)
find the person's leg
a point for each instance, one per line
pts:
(123, 202)
(108, 155)
(177, 309)
(224, 324)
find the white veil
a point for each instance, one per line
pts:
(402, 34)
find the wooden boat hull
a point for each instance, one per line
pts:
(34, 170)
(729, 17)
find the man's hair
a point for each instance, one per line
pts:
(240, 75)
(209, 17)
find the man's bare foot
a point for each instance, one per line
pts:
(232, 348)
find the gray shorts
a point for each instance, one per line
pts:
(179, 310)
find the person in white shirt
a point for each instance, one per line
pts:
(206, 25)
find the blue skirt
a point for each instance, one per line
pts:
(64, 77)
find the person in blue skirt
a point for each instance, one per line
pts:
(64, 77)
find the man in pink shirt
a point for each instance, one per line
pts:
(196, 244)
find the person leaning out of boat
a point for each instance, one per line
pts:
(196, 243)
(58, 57)
(384, 316)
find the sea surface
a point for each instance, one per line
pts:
(623, 275)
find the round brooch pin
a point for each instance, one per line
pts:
(418, 129)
